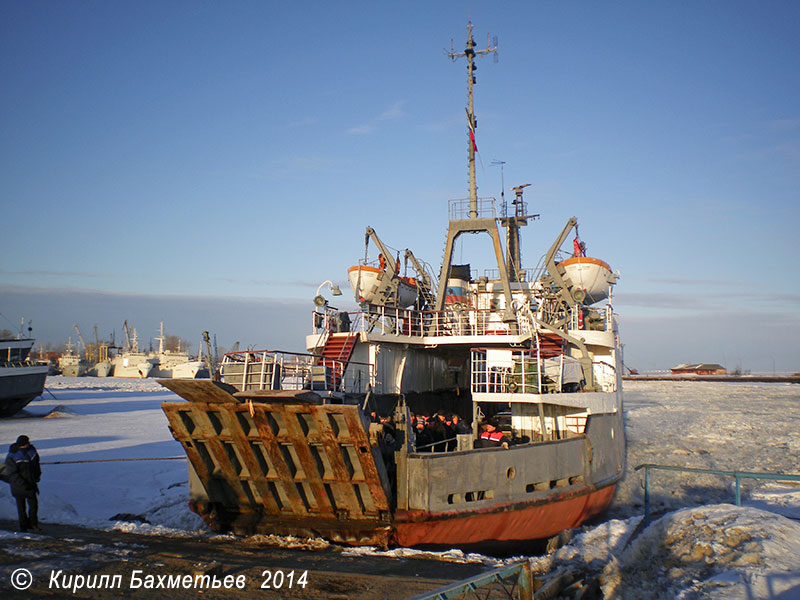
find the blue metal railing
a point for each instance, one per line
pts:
(738, 475)
(518, 575)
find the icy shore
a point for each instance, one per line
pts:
(701, 547)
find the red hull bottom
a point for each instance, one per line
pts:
(535, 522)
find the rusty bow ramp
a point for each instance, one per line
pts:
(281, 463)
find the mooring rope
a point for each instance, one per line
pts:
(104, 460)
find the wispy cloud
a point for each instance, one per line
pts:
(277, 283)
(699, 282)
(708, 301)
(395, 111)
(49, 273)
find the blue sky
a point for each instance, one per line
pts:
(190, 153)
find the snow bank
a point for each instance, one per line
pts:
(718, 551)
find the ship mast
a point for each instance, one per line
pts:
(470, 52)
(475, 223)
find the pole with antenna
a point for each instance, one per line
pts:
(502, 163)
(470, 52)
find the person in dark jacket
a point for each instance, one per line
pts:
(491, 436)
(23, 473)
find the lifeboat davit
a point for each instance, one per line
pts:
(367, 281)
(591, 278)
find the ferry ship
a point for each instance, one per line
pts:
(333, 443)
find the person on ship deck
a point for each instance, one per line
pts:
(491, 436)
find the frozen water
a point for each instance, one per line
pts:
(702, 546)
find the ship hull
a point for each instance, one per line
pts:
(74, 370)
(134, 367)
(18, 386)
(185, 370)
(283, 463)
(502, 525)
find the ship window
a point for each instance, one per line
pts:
(510, 473)
(453, 498)
(479, 495)
(537, 487)
(576, 479)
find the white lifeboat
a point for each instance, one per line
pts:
(367, 281)
(591, 278)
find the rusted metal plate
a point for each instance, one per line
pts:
(195, 390)
(284, 466)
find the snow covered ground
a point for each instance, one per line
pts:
(698, 546)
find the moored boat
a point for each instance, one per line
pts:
(70, 363)
(131, 362)
(174, 364)
(358, 440)
(21, 380)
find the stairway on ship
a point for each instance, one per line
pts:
(338, 349)
(550, 344)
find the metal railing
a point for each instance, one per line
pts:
(738, 475)
(514, 581)
(273, 370)
(460, 209)
(444, 323)
(606, 313)
(453, 321)
(524, 275)
(529, 373)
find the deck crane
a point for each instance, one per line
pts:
(86, 350)
(389, 275)
(426, 282)
(392, 267)
(127, 336)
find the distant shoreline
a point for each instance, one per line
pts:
(725, 378)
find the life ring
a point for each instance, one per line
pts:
(512, 386)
